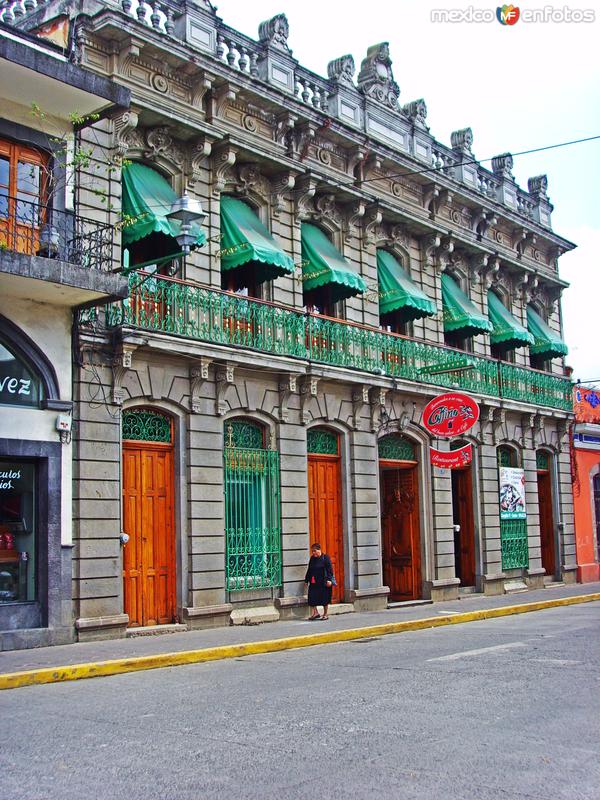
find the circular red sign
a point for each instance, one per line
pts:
(450, 414)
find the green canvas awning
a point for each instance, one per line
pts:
(147, 199)
(323, 265)
(546, 343)
(397, 292)
(507, 331)
(459, 312)
(244, 238)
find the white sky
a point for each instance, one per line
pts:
(517, 87)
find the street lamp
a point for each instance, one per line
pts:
(187, 211)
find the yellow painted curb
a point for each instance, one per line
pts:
(15, 680)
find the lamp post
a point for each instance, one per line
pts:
(186, 211)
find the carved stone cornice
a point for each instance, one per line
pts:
(224, 378)
(219, 98)
(198, 376)
(221, 160)
(288, 385)
(198, 150)
(482, 219)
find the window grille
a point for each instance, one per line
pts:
(396, 448)
(320, 441)
(252, 509)
(146, 426)
(542, 460)
(515, 547)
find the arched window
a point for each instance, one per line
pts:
(147, 426)
(513, 511)
(396, 448)
(20, 384)
(252, 508)
(322, 441)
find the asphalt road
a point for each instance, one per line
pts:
(502, 709)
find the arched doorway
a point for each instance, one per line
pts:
(325, 500)
(544, 483)
(148, 518)
(400, 526)
(463, 519)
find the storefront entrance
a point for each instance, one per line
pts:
(464, 526)
(544, 482)
(325, 501)
(148, 519)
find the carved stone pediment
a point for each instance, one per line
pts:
(376, 79)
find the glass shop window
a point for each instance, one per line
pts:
(17, 531)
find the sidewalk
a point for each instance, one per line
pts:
(149, 652)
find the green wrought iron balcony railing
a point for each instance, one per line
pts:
(167, 305)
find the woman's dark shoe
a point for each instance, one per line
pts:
(316, 616)
(322, 617)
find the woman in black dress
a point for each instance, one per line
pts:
(319, 578)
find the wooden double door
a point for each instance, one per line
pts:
(544, 483)
(148, 519)
(463, 519)
(325, 513)
(401, 532)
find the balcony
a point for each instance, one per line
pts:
(169, 306)
(56, 257)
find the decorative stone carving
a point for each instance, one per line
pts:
(539, 430)
(397, 234)
(372, 223)
(198, 376)
(341, 71)
(462, 141)
(288, 385)
(120, 364)
(527, 430)
(521, 237)
(502, 166)
(160, 144)
(482, 219)
(301, 139)
(430, 245)
(326, 209)
(308, 390)
(306, 186)
(249, 178)
(360, 398)
(355, 211)
(377, 397)
(284, 125)
(435, 198)
(538, 186)
(124, 125)
(224, 379)
(416, 110)
(281, 184)
(562, 432)
(198, 150)
(443, 255)
(274, 32)
(222, 159)
(498, 422)
(219, 98)
(201, 85)
(376, 79)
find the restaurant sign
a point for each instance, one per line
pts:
(452, 459)
(450, 414)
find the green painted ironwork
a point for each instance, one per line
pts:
(320, 441)
(252, 518)
(396, 448)
(169, 306)
(514, 544)
(542, 460)
(243, 433)
(506, 457)
(146, 426)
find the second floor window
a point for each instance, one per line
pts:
(23, 182)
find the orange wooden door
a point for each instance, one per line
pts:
(325, 513)
(148, 518)
(546, 522)
(401, 533)
(464, 539)
(22, 188)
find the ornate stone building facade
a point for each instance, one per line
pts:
(263, 384)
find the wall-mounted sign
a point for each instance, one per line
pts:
(450, 414)
(512, 493)
(452, 459)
